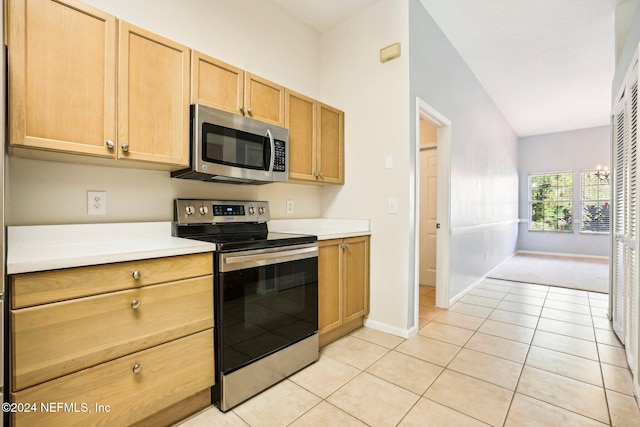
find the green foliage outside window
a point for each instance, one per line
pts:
(596, 209)
(551, 202)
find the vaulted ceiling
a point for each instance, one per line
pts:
(547, 64)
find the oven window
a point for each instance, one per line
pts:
(265, 309)
(233, 147)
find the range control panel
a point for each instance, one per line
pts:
(197, 211)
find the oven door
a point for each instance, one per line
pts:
(267, 299)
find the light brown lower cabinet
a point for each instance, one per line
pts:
(112, 344)
(343, 286)
(122, 391)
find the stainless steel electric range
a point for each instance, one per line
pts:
(265, 295)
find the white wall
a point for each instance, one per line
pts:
(629, 48)
(484, 175)
(374, 98)
(255, 35)
(572, 151)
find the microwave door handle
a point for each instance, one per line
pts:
(273, 152)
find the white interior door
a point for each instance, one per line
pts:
(428, 215)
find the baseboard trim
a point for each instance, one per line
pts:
(561, 254)
(456, 298)
(383, 327)
(499, 265)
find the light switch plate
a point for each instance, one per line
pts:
(392, 206)
(388, 162)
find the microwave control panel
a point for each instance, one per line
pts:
(280, 158)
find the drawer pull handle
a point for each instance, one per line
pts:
(137, 368)
(137, 275)
(135, 304)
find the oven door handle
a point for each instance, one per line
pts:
(232, 262)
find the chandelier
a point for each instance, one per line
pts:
(602, 173)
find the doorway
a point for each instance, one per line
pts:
(430, 123)
(428, 203)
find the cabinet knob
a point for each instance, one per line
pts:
(344, 245)
(137, 368)
(135, 304)
(242, 109)
(125, 147)
(250, 110)
(110, 144)
(137, 275)
(320, 174)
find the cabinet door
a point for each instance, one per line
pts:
(51, 340)
(153, 98)
(330, 145)
(356, 277)
(125, 390)
(216, 84)
(62, 76)
(264, 100)
(329, 287)
(301, 122)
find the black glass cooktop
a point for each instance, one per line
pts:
(234, 237)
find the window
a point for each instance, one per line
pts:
(596, 207)
(550, 202)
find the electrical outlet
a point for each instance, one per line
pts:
(96, 202)
(289, 206)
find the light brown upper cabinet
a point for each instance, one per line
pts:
(153, 97)
(63, 84)
(301, 122)
(264, 100)
(316, 140)
(62, 77)
(220, 85)
(216, 84)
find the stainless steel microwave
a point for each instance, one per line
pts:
(227, 147)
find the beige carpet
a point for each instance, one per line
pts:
(568, 272)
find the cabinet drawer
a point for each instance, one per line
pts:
(169, 373)
(56, 339)
(56, 285)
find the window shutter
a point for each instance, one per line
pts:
(619, 217)
(625, 287)
(632, 252)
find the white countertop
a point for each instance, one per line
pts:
(325, 229)
(47, 247)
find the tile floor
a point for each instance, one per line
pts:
(506, 354)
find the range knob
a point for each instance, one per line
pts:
(189, 210)
(252, 210)
(203, 210)
(261, 210)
